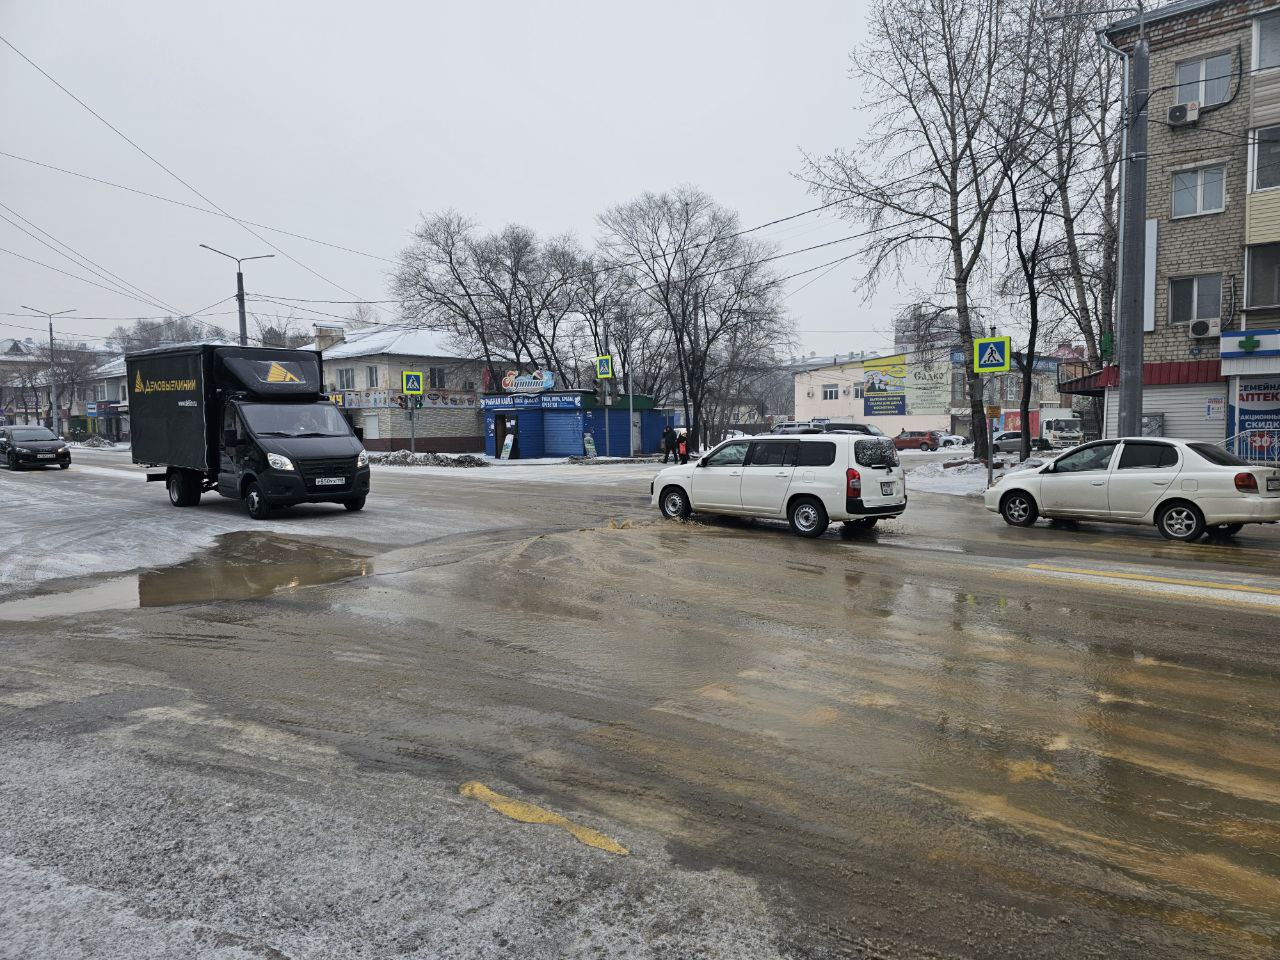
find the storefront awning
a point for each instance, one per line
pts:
(1153, 375)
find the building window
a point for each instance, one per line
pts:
(1268, 42)
(346, 378)
(857, 391)
(371, 378)
(830, 391)
(1195, 298)
(1206, 81)
(1262, 267)
(1266, 158)
(468, 385)
(435, 378)
(1199, 191)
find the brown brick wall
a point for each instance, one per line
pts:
(1212, 242)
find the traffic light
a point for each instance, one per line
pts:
(417, 402)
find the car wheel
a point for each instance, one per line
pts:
(12, 460)
(925, 448)
(354, 504)
(63, 466)
(862, 523)
(1180, 521)
(1019, 509)
(808, 517)
(1225, 529)
(674, 504)
(259, 509)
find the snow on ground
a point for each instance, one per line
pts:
(968, 480)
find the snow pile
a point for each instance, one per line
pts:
(963, 478)
(93, 441)
(602, 460)
(403, 458)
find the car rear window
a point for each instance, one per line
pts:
(1223, 458)
(1138, 455)
(817, 453)
(875, 453)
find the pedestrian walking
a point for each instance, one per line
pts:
(669, 445)
(682, 446)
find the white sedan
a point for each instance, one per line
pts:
(1185, 489)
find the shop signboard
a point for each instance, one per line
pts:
(544, 401)
(928, 388)
(535, 382)
(1256, 417)
(884, 392)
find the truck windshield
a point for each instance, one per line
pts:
(294, 420)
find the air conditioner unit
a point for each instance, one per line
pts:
(1205, 328)
(1184, 114)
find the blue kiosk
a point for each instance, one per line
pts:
(556, 423)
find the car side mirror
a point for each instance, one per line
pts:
(702, 462)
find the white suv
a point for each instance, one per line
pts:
(808, 479)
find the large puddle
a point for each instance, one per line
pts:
(240, 566)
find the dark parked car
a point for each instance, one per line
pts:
(33, 447)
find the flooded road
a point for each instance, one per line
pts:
(942, 738)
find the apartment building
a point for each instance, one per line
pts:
(1212, 304)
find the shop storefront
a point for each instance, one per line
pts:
(1251, 364)
(569, 423)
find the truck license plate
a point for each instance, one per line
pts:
(330, 481)
(886, 489)
(1273, 483)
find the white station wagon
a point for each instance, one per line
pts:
(1185, 489)
(808, 479)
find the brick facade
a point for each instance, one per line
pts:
(1207, 243)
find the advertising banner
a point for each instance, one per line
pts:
(928, 389)
(884, 392)
(1257, 417)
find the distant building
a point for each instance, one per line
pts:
(363, 370)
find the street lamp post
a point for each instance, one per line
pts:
(53, 414)
(244, 326)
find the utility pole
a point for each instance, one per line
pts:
(53, 412)
(1129, 346)
(244, 326)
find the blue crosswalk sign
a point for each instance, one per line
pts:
(411, 382)
(991, 355)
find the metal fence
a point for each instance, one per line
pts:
(1256, 446)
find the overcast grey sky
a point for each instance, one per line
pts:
(343, 121)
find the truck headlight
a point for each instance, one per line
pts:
(278, 462)
(363, 459)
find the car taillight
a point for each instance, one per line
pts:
(854, 484)
(1246, 483)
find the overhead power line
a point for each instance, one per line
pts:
(196, 207)
(133, 143)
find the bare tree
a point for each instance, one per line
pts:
(146, 334)
(927, 180)
(690, 261)
(285, 331)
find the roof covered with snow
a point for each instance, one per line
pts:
(397, 341)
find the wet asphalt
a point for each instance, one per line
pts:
(942, 738)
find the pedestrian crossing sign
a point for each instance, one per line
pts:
(991, 355)
(604, 368)
(411, 382)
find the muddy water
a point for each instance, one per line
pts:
(846, 720)
(241, 566)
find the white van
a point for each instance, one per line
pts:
(810, 479)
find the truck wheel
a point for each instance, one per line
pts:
(184, 488)
(354, 504)
(259, 509)
(808, 517)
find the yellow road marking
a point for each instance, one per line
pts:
(1151, 578)
(532, 813)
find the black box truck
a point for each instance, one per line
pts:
(249, 422)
